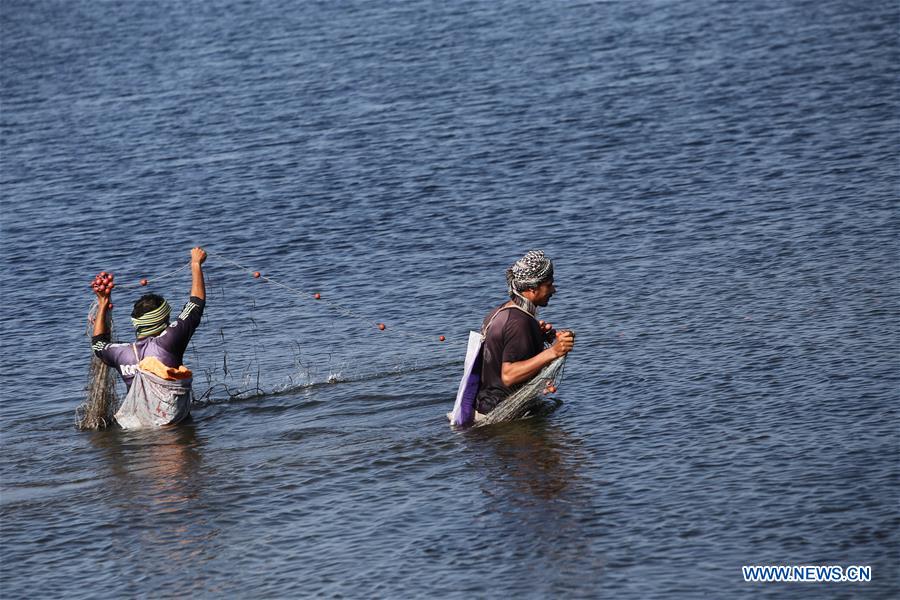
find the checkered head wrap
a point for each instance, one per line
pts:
(529, 272)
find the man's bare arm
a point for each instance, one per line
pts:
(198, 286)
(512, 373)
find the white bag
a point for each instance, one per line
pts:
(153, 401)
(464, 408)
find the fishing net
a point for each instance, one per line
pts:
(101, 400)
(529, 400)
(240, 354)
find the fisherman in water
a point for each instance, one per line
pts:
(164, 395)
(515, 340)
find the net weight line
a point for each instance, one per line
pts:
(339, 308)
(101, 389)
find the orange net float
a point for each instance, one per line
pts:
(317, 296)
(144, 282)
(257, 274)
(103, 282)
(381, 326)
(442, 338)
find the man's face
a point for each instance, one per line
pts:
(543, 292)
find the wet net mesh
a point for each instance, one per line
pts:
(246, 356)
(528, 400)
(101, 400)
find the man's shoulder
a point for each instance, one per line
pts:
(492, 314)
(519, 319)
(194, 304)
(509, 319)
(517, 314)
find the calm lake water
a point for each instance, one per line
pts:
(717, 183)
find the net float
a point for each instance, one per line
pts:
(256, 274)
(551, 389)
(144, 282)
(317, 296)
(381, 326)
(442, 338)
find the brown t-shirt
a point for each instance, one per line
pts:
(513, 336)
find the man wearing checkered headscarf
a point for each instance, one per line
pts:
(529, 272)
(516, 345)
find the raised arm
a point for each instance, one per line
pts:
(198, 286)
(102, 308)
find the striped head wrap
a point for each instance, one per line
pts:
(153, 322)
(529, 272)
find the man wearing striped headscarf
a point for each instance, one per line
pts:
(516, 344)
(160, 345)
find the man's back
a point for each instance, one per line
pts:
(168, 346)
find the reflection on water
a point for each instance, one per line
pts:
(533, 461)
(536, 492)
(164, 462)
(158, 482)
(734, 385)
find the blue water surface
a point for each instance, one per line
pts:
(716, 182)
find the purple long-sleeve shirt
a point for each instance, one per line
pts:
(168, 346)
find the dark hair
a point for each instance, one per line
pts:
(145, 304)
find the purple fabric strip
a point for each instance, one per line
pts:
(473, 382)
